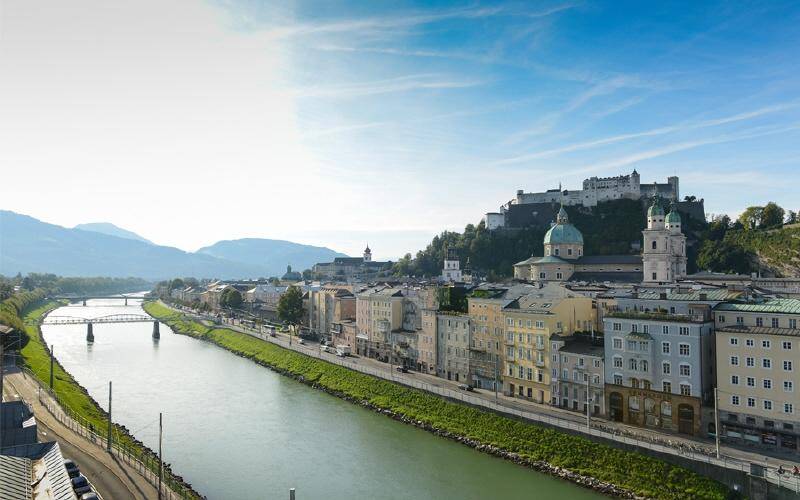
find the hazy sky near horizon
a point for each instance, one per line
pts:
(339, 123)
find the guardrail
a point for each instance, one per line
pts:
(146, 464)
(677, 448)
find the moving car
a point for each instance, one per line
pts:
(465, 387)
(402, 369)
(343, 350)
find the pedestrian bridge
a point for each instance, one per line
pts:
(113, 318)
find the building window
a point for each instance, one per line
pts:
(665, 346)
(542, 276)
(750, 362)
(721, 318)
(734, 379)
(734, 360)
(767, 383)
(683, 349)
(787, 345)
(666, 368)
(666, 386)
(654, 245)
(632, 365)
(654, 277)
(734, 341)
(665, 329)
(735, 400)
(788, 408)
(686, 390)
(766, 344)
(766, 363)
(787, 366)
(617, 379)
(759, 321)
(751, 402)
(751, 382)
(739, 320)
(558, 276)
(684, 330)
(788, 386)
(768, 405)
(617, 361)
(749, 342)
(685, 371)
(793, 324)
(774, 322)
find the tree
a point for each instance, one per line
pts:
(772, 215)
(718, 226)
(231, 298)
(290, 306)
(690, 198)
(791, 217)
(751, 218)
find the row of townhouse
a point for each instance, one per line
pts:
(649, 356)
(670, 355)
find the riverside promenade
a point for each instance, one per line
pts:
(693, 453)
(114, 478)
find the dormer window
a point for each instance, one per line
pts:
(556, 251)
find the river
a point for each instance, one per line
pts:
(240, 431)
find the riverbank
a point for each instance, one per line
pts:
(76, 401)
(600, 467)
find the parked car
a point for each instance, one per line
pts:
(301, 341)
(80, 485)
(402, 369)
(465, 387)
(343, 351)
(72, 468)
(90, 496)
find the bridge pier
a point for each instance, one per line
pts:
(126, 301)
(89, 333)
(156, 333)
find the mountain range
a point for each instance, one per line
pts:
(103, 249)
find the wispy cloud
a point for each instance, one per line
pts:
(424, 81)
(683, 146)
(680, 127)
(408, 20)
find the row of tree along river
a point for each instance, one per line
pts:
(234, 429)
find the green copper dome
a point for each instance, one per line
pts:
(673, 217)
(563, 233)
(655, 208)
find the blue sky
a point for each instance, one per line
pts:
(338, 123)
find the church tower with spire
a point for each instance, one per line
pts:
(367, 254)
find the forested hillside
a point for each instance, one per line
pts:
(763, 239)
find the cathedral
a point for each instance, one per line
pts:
(663, 257)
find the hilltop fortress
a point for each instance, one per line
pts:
(595, 190)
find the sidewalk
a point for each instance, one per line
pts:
(113, 479)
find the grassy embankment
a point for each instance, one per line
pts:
(77, 402)
(634, 472)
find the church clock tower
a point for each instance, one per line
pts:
(664, 251)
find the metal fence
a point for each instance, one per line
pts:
(138, 458)
(690, 451)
